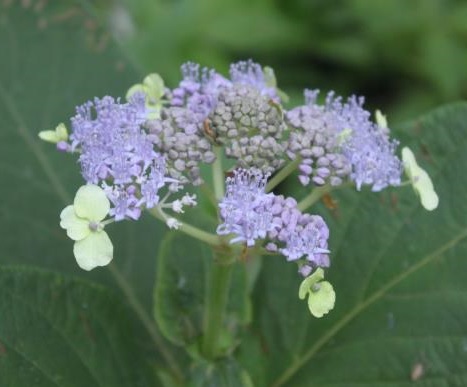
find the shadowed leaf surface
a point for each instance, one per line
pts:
(91, 337)
(399, 275)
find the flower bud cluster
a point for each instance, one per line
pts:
(178, 137)
(251, 214)
(338, 140)
(251, 128)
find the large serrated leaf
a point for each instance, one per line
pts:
(91, 340)
(399, 275)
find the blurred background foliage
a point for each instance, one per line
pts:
(406, 57)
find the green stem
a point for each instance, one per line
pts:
(147, 322)
(188, 229)
(216, 302)
(282, 174)
(218, 174)
(313, 197)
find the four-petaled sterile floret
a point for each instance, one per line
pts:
(321, 295)
(83, 222)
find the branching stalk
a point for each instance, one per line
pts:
(188, 229)
(218, 174)
(216, 302)
(316, 194)
(282, 174)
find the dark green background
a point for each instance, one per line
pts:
(399, 272)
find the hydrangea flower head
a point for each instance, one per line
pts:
(321, 294)
(83, 224)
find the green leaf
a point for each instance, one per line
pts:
(62, 332)
(55, 57)
(179, 295)
(399, 276)
(223, 373)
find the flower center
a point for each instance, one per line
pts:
(95, 226)
(315, 288)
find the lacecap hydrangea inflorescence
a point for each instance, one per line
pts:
(148, 152)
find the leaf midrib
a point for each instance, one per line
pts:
(55, 329)
(363, 305)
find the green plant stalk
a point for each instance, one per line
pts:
(318, 192)
(216, 302)
(195, 232)
(218, 174)
(282, 174)
(313, 197)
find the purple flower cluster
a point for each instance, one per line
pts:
(117, 154)
(132, 155)
(206, 109)
(250, 127)
(200, 87)
(245, 207)
(337, 140)
(251, 214)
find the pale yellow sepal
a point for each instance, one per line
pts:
(381, 119)
(154, 89)
(55, 136)
(91, 203)
(270, 80)
(83, 223)
(76, 228)
(420, 180)
(321, 295)
(94, 250)
(322, 301)
(343, 136)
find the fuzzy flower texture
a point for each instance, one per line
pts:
(146, 150)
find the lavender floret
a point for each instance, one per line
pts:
(198, 90)
(251, 214)
(338, 141)
(244, 208)
(251, 73)
(117, 154)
